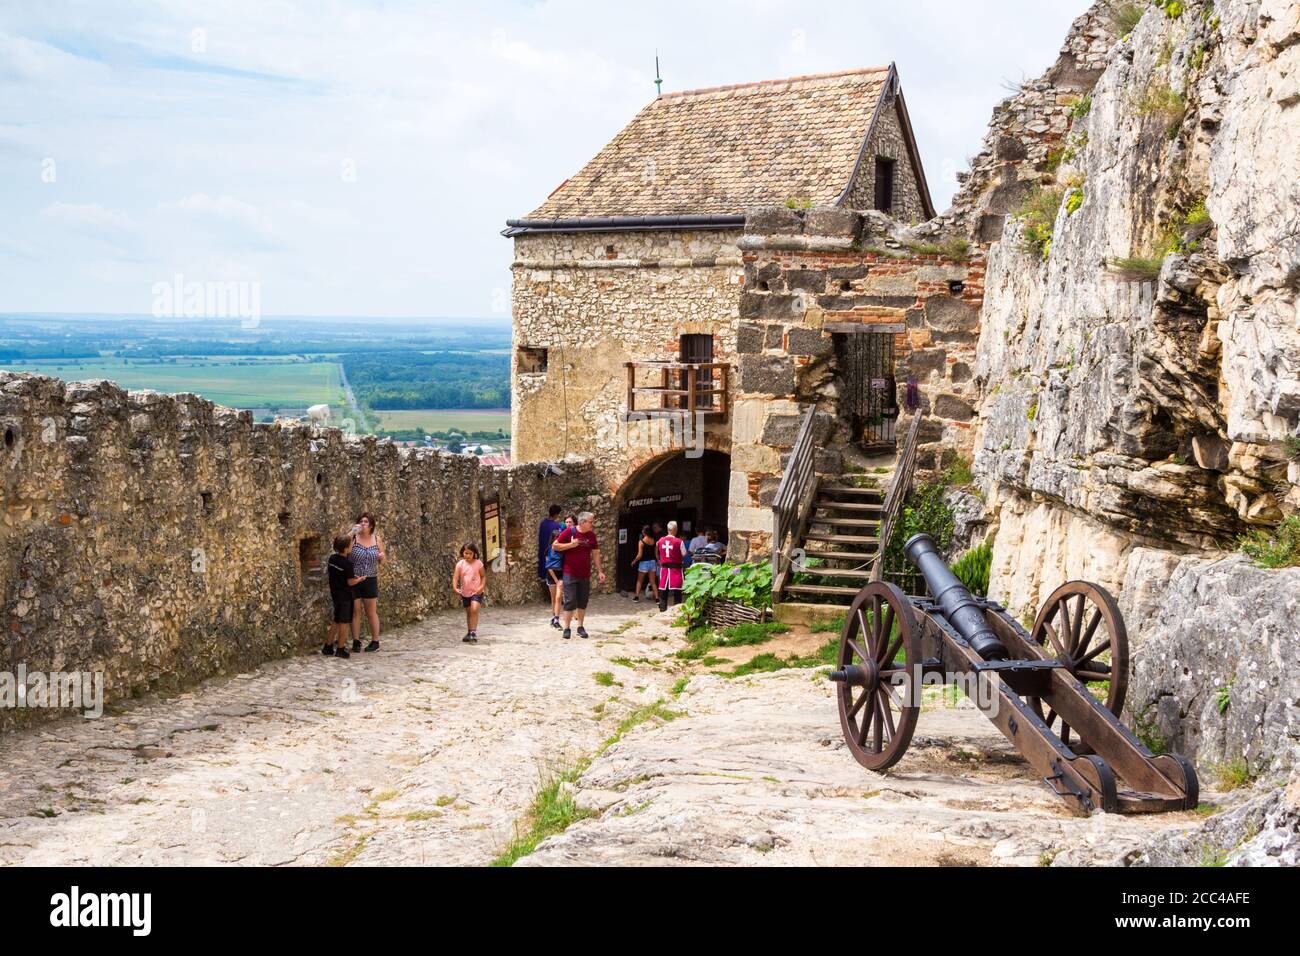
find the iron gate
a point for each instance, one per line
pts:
(869, 399)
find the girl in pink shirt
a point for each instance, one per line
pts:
(467, 581)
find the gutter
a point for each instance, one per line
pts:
(523, 227)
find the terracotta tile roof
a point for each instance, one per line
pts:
(722, 150)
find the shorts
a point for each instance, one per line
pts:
(467, 601)
(342, 607)
(553, 578)
(366, 588)
(670, 579)
(577, 591)
(646, 565)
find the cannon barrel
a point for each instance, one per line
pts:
(956, 603)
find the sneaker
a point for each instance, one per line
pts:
(582, 631)
(567, 634)
(342, 652)
(637, 599)
(328, 650)
(555, 623)
(467, 638)
(473, 637)
(356, 647)
(372, 646)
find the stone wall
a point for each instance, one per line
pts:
(808, 273)
(887, 141)
(162, 539)
(595, 301)
(1154, 399)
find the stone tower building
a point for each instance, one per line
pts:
(628, 284)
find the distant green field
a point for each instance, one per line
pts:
(265, 384)
(444, 419)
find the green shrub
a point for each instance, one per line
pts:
(972, 568)
(1278, 549)
(1291, 445)
(1173, 8)
(956, 248)
(1038, 214)
(748, 584)
(1081, 107)
(1073, 201)
(1162, 101)
(1124, 18)
(925, 511)
(958, 473)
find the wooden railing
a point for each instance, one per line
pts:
(793, 503)
(898, 491)
(684, 388)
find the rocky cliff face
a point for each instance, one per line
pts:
(1139, 352)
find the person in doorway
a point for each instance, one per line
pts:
(669, 549)
(342, 577)
(554, 571)
(644, 562)
(367, 555)
(467, 581)
(581, 551)
(697, 542)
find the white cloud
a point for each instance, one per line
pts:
(454, 117)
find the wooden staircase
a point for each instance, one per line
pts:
(840, 541)
(828, 532)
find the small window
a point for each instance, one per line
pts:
(696, 349)
(884, 184)
(309, 554)
(531, 359)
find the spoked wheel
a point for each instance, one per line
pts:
(1080, 626)
(880, 645)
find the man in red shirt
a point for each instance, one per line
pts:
(670, 551)
(579, 551)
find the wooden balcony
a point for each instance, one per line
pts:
(678, 389)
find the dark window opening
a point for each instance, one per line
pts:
(531, 360)
(284, 519)
(884, 184)
(697, 349)
(206, 496)
(309, 554)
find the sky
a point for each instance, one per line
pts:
(361, 158)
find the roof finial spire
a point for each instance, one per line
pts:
(659, 83)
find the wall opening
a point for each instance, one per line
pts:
(310, 551)
(531, 360)
(884, 184)
(690, 491)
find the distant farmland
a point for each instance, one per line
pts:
(445, 419)
(263, 384)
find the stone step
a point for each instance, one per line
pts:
(851, 491)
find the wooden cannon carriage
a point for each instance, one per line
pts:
(1034, 686)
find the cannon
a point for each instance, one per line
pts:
(1055, 691)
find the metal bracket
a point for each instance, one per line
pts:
(1067, 788)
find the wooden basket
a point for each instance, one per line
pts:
(722, 612)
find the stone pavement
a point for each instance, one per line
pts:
(430, 751)
(427, 752)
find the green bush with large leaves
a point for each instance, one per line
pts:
(973, 567)
(748, 584)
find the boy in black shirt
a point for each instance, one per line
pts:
(341, 577)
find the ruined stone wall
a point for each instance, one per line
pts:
(887, 141)
(808, 273)
(596, 301)
(162, 539)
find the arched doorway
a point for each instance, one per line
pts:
(689, 490)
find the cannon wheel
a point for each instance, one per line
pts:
(1080, 625)
(877, 718)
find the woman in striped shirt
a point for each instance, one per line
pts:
(367, 555)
